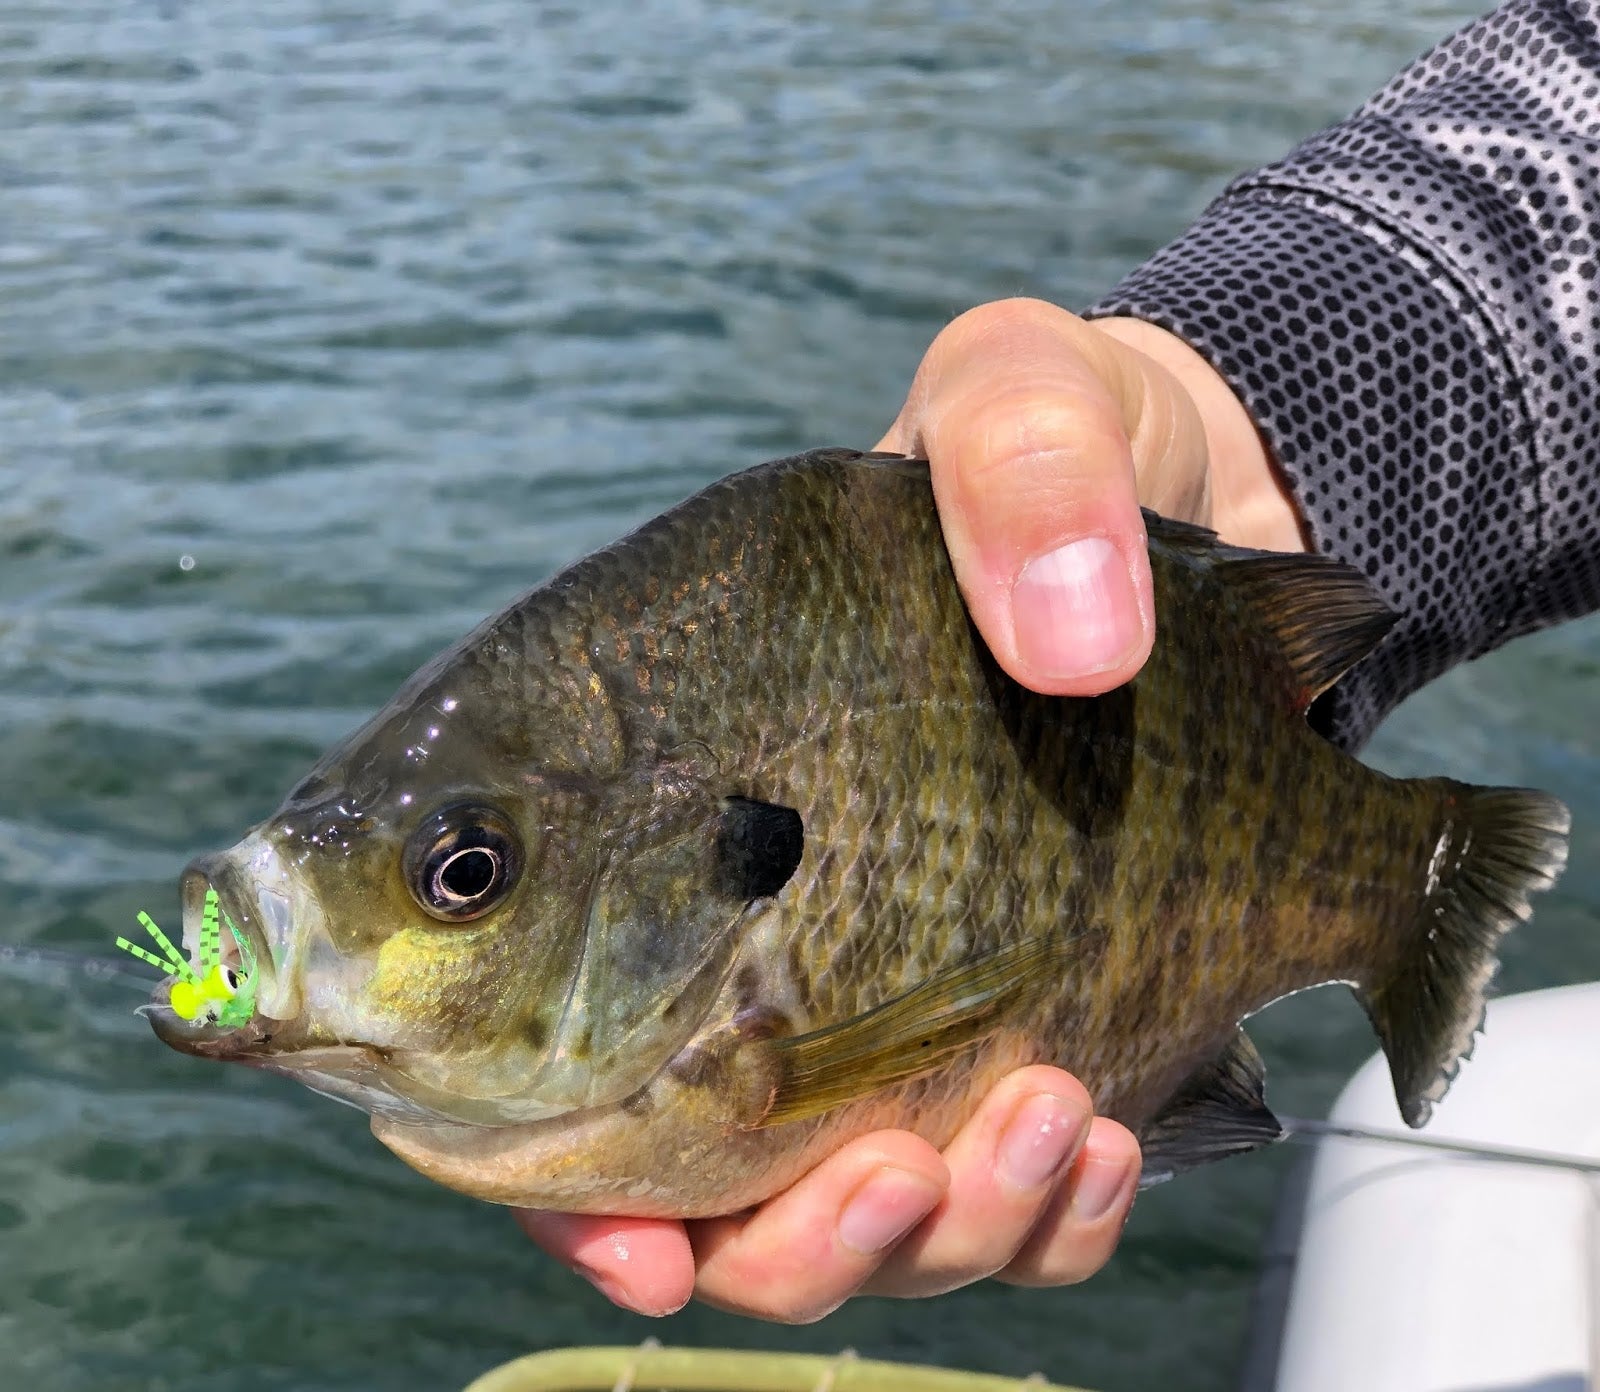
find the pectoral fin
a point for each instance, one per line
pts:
(910, 1035)
(1220, 1110)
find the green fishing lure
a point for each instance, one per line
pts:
(209, 990)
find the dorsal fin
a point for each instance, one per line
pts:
(1324, 614)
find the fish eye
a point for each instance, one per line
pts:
(462, 862)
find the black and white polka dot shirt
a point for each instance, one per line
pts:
(1407, 304)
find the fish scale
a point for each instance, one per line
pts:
(794, 860)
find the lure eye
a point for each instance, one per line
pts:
(230, 979)
(462, 862)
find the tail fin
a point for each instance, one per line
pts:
(1499, 846)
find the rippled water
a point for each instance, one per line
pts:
(377, 314)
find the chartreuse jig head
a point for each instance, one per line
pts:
(216, 993)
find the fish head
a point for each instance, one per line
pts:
(450, 925)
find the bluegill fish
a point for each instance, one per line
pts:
(732, 842)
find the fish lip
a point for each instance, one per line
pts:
(203, 1040)
(261, 1043)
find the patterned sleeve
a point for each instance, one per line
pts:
(1407, 305)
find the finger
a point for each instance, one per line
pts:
(805, 1252)
(642, 1264)
(1030, 419)
(1033, 473)
(1005, 1166)
(1079, 1229)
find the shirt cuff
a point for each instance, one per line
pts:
(1385, 405)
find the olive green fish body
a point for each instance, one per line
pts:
(793, 859)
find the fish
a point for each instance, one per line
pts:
(732, 842)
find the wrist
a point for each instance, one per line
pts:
(1249, 504)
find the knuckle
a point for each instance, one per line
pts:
(1045, 1078)
(1003, 316)
(790, 1308)
(1115, 1137)
(1060, 1263)
(975, 1266)
(1018, 431)
(781, 1292)
(1041, 1277)
(930, 1280)
(1070, 1252)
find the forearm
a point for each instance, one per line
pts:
(1403, 307)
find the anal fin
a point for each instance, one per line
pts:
(1220, 1110)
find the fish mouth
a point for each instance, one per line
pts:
(256, 902)
(272, 909)
(221, 873)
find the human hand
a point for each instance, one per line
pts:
(1045, 433)
(1034, 1190)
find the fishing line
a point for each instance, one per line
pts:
(55, 962)
(1303, 1129)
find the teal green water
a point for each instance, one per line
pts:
(380, 313)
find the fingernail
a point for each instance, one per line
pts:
(885, 1208)
(1075, 611)
(1042, 1135)
(1100, 1188)
(612, 1291)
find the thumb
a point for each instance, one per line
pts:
(1028, 417)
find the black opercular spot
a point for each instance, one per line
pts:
(759, 845)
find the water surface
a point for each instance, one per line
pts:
(325, 329)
